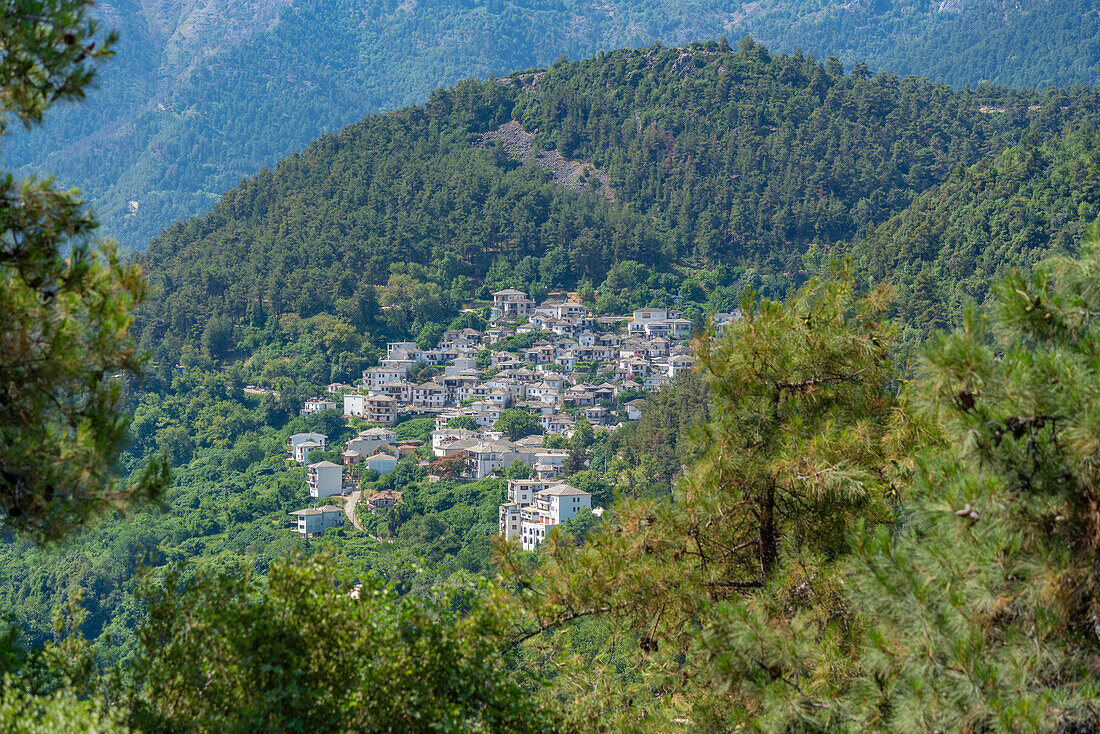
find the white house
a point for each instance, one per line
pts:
(372, 439)
(378, 377)
(484, 458)
(381, 463)
(560, 423)
(570, 309)
(401, 347)
(316, 520)
(444, 436)
(546, 457)
(316, 405)
(303, 450)
(429, 395)
(509, 519)
(380, 408)
(355, 404)
(325, 479)
(297, 439)
(399, 390)
(597, 415)
(523, 491)
(510, 303)
(460, 365)
(458, 447)
(680, 363)
(642, 317)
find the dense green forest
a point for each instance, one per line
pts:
(203, 94)
(731, 169)
(901, 557)
(1010, 209)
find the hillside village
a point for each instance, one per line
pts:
(536, 370)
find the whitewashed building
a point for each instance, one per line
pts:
(325, 479)
(372, 439)
(316, 405)
(509, 304)
(552, 506)
(316, 520)
(316, 441)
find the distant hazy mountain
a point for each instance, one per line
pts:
(204, 92)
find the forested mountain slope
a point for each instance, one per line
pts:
(1010, 210)
(741, 158)
(203, 93)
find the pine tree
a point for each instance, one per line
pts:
(987, 605)
(802, 441)
(979, 611)
(65, 300)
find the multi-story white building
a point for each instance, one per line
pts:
(378, 377)
(294, 443)
(484, 458)
(372, 439)
(540, 390)
(374, 407)
(509, 520)
(399, 390)
(461, 364)
(304, 449)
(325, 479)
(510, 303)
(537, 456)
(643, 317)
(473, 391)
(380, 408)
(355, 405)
(316, 520)
(429, 395)
(406, 347)
(458, 447)
(552, 506)
(444, 436)
(680, 363)
(521, 493)
(560, 423)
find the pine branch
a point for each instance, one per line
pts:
(565, 619)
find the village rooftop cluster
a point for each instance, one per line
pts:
(552, 380)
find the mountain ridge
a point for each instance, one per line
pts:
(739, 162)
(278, 74)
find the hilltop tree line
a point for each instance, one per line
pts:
(184, 111)
(731, 169)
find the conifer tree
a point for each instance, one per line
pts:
(978, 611)
(65, 300)
(987, 605)
(801, 443)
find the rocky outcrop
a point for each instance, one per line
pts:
(575, 175)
